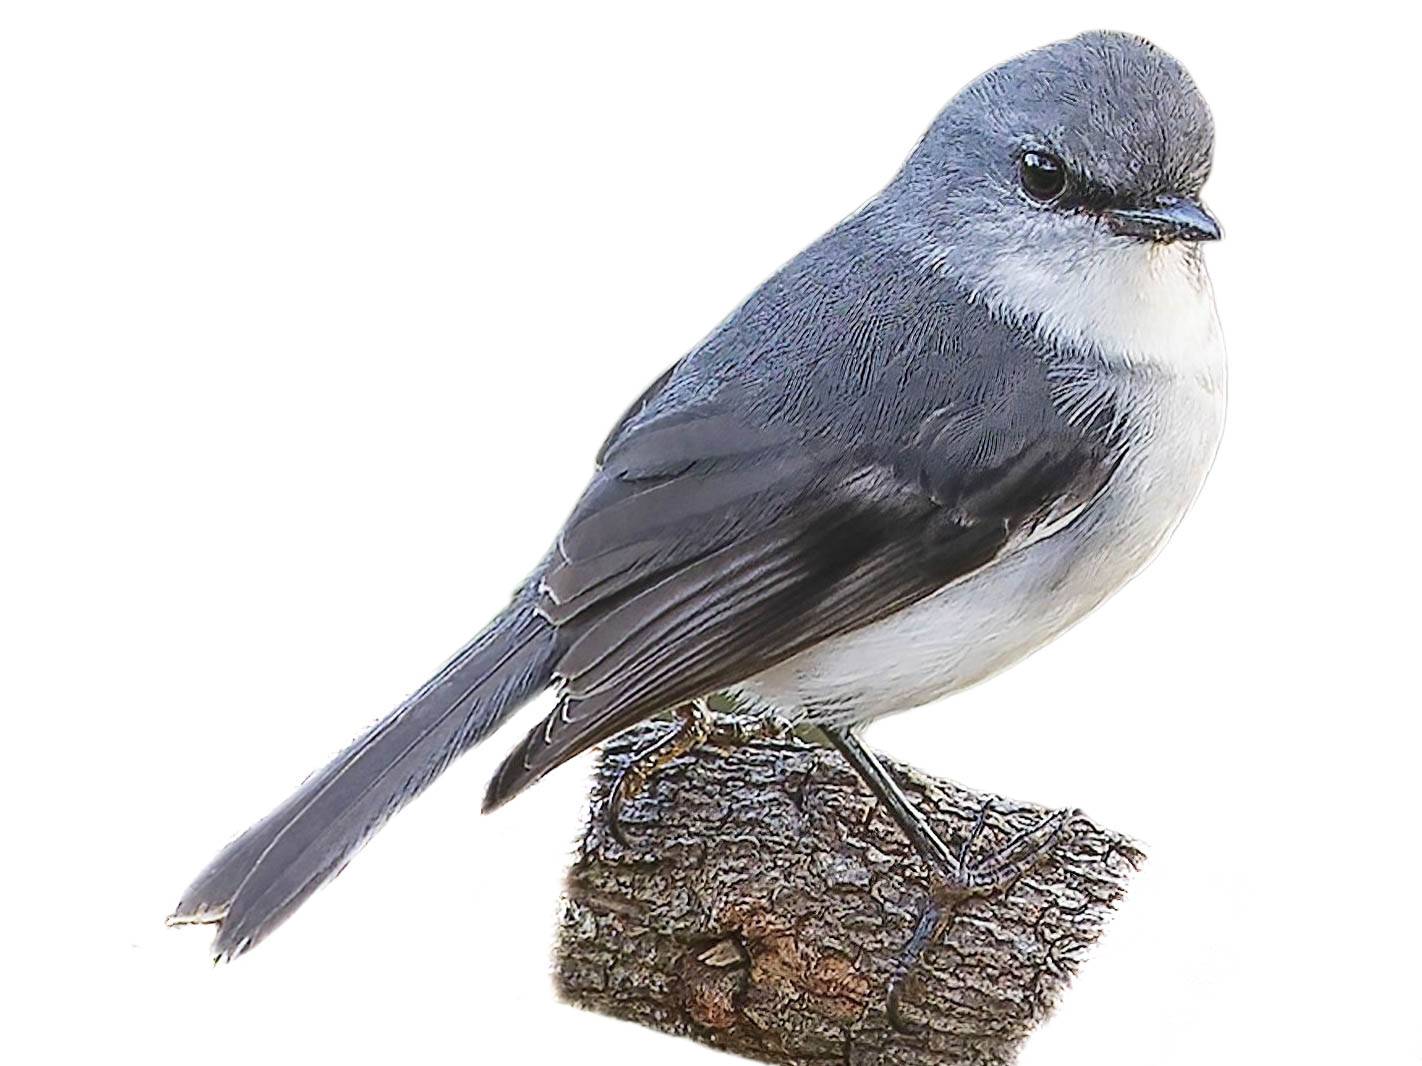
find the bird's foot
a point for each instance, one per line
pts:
(968, 877)
(692, 725)
(733, 731)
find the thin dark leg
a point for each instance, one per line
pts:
(872, 772)
(956, 877)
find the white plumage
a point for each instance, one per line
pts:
(1146, 314)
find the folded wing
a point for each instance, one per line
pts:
(707, 550)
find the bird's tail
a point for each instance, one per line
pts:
(266, 873)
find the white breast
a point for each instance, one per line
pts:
(1149, 318)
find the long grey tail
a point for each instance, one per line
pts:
(266, 873)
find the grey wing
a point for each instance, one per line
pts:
(708, 550)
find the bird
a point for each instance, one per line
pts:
(931, 442)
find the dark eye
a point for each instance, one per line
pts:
(1043, 176)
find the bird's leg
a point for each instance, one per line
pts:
(955, 876)
(692, 725)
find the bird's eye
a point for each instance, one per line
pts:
(1043, 176)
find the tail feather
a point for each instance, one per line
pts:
(265, 874)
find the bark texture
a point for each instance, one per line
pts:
(763, 900)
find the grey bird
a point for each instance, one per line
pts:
(928, 444)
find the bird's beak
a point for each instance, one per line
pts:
(1167, 218)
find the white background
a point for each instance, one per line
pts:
(312, 317)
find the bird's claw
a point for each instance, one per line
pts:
(970, 878)
(691, 727)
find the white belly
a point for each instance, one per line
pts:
(978, 625)
(987, 621)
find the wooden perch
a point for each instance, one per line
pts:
(763, 900)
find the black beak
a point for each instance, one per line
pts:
(1167, 218)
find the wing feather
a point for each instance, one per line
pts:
(725, 534)
(739, 609)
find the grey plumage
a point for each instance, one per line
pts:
(851, 471)
(266, 873)
(878, 421)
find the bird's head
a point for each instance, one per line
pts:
(1101, 138)
(1064, 177)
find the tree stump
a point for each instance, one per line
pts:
(763, 899)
